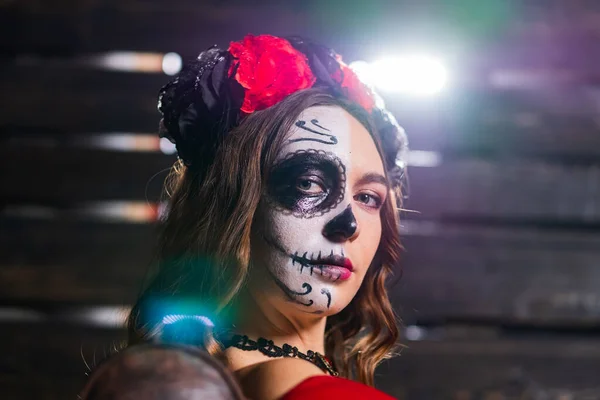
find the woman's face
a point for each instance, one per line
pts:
(318, 224)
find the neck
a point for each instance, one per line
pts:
(260, 319)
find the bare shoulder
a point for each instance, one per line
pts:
(272, 379)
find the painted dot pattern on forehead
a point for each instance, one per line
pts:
(284, 197)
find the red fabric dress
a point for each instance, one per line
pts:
(325, 387)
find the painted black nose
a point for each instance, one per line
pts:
(342, 227)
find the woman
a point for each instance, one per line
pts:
(282, 220)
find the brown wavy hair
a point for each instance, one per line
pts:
(204, 243)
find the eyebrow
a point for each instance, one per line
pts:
(373, 177)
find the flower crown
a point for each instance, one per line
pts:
(212, 94)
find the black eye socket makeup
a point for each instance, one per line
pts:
(286, 184)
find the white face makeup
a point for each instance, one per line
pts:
(318, 226)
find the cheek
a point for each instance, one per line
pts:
(294, 231)
(370, 235)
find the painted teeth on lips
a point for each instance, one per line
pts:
(334, 272)
(334, 267)
(334, 261)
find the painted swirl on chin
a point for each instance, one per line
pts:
(292, 295)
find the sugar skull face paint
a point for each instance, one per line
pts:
(318, 226)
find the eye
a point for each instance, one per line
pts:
(370, 200)
(310, 186)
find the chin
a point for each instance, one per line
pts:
(335, 310)
(332, 310)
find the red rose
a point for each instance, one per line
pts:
(355, 89)
(269, 69)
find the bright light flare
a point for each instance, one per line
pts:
(167, 147)
(172, 63)
(173, 318)
(140, 62)
(415, 74)
(414, 333)
(121, 141)
(104, 316)
(130, 211)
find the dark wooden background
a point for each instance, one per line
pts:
(500, 293)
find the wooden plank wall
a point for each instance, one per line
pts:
(499, 292)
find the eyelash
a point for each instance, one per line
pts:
(375, 198)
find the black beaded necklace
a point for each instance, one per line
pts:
(269, 349)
